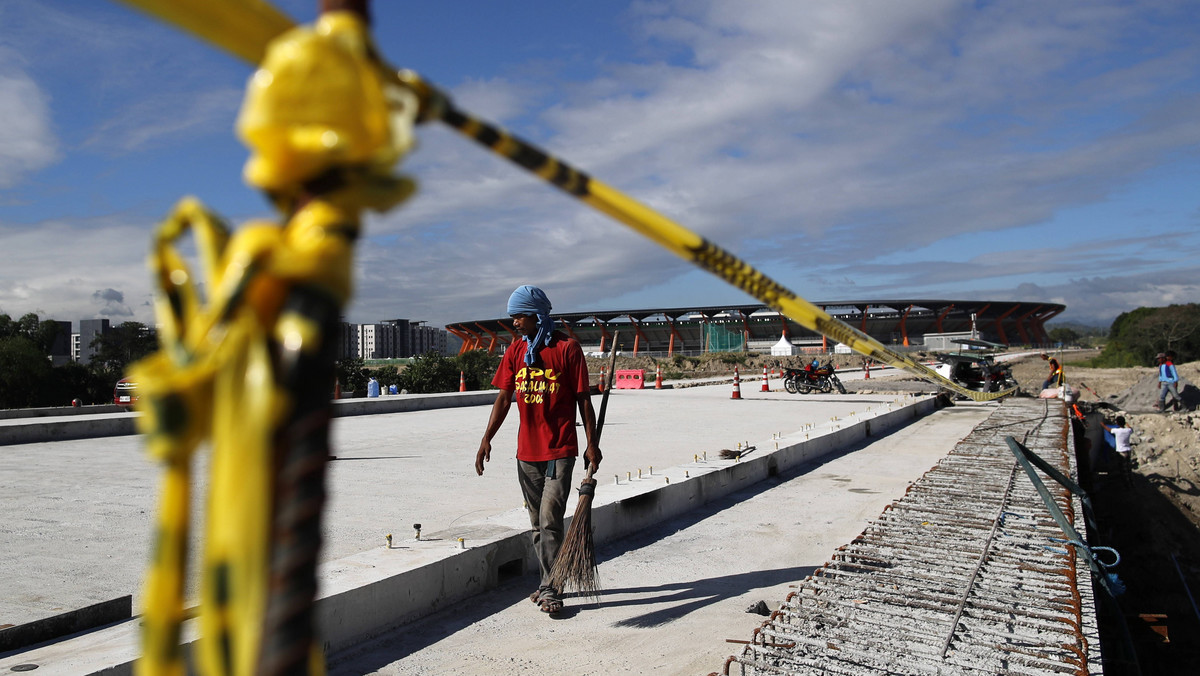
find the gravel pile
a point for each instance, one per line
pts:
(1143, 395)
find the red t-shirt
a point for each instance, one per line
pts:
(546, 396)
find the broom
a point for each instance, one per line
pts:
(741, 452)
(575, 566)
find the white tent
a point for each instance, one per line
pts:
(783, 348)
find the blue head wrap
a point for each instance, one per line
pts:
(530, 300)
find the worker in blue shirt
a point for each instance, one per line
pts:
(1168, 380)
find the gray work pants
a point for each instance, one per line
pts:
(546, 501)
(1173, 390)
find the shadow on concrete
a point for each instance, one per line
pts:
(407, 639)
(410, 638)
(697, 593)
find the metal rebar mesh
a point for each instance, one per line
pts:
(960, 576)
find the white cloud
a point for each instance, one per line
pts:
(72, 271)
(27, 140)
(1098, 300)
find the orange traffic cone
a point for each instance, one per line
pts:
(658, 378)
(601, 386)
(766, 383)
(737, 384)
(462, 382)
(867, 370)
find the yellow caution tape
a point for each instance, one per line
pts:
(214, 378)
(667, 233)
(241, 27)
(673, 236)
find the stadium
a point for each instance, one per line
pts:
(914, 324)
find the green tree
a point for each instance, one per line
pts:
(477, 367)
(76, 381)
(1136, 336)
(28, 326)
(123, 345)
(352, 374)
(25, 373)
(429, 373)
(387, 376)
(32, 327)
(1176, 328)
(1064, 335)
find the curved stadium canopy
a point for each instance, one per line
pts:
(695, 330)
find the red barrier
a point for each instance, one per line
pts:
(631, 379)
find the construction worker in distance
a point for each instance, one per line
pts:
(1168, 380)
(1055, 377)
(1121, 433)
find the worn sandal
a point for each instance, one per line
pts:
(547, 600)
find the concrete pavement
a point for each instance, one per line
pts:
(80, 510)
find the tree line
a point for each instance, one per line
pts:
(426, 374)
(1136, 336)
(28, 379)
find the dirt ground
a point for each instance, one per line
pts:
(1166, 446)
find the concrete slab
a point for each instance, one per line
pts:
(78, 513)
(676, 591)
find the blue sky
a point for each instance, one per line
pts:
(852, 150)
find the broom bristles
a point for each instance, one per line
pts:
(575, 568)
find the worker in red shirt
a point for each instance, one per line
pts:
(545, 371)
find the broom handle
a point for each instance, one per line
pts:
(608, 377)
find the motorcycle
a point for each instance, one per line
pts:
(803, 381)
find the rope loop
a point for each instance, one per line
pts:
(1092, 551)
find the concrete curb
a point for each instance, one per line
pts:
(32, 428)
(64, 624)
(372, 592)
(58, 411)
(400, 403)
(118, 424)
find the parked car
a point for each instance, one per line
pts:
(125, 393)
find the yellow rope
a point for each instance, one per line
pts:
(246, 366)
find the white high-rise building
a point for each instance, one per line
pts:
(390, 339)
